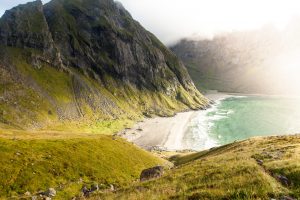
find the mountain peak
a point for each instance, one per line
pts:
(25, 26)
(99, 47)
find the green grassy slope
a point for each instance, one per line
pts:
(35, 165)
(228, 172)
(45, 98)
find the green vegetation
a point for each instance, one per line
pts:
(66, 164)
(57, 121)
(228, 172)
(44, 98)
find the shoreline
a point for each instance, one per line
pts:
(165, 133)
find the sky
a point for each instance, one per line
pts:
(171, 20)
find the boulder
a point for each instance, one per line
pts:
(287, 198)
(283, 180)
(27, 193)
(51, 192)
(112, 188)
(151, 173)
(260, 162)
(94, 187)
(85, 191)
(34, 198)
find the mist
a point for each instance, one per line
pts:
(171, 20)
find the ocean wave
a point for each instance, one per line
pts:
(197, 135)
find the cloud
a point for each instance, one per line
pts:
(171, 20)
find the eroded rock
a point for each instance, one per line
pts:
(151, 173)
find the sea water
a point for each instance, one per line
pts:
(240, 117)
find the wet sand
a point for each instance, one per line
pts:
(164, 133)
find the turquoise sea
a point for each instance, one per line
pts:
(242, 117)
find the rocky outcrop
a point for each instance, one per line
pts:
(151, 173)
(101, 38)
(25, 26)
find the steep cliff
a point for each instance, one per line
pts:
(258, 61)
(88, 62)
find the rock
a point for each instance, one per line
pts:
(151, 173)
(80, 180)
(51, 192)
(94, 187)
(112, 188)
(287, 198)
(283, 180)
(260, 162)
(131, 54)
(157, 148)
(27, 193)
(85, 191)
(34, 198)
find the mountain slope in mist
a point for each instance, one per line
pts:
(260, 61)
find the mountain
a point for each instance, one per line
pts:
(86, 64)
(258, 61)
(73, 73)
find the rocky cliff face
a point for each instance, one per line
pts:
(25, 26)
(259, 61)
(85, 57)
(101, 38)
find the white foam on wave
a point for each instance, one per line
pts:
(197, 135)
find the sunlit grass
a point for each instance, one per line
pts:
(34, 165)
(228, 172)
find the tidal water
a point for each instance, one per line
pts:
(238, 118)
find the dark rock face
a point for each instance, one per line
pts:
(151, 173)
(25, 26)
(283, 180)
(100, 38)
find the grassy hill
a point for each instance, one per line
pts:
(243, 170)
(34, 165)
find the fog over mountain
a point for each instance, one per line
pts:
(259, 61)
(171, 20)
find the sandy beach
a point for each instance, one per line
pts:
(165, 133)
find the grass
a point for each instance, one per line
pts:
(227, 172)
(35, 165)
(44, 99)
